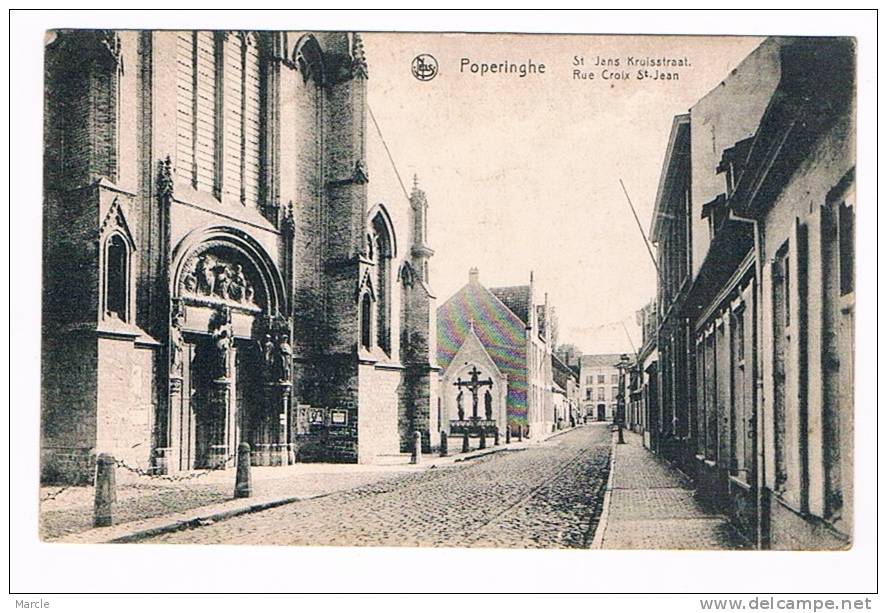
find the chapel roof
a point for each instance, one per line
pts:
(499, 329)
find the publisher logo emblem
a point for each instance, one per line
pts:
(424, 67)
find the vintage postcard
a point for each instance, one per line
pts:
(448, 290)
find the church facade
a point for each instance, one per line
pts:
(229, 256)
(494, 348)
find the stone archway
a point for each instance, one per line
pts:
(230, 354)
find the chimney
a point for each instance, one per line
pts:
(473, 276)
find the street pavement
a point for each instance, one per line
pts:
(545, 495)
(68, 511)
(652, 506)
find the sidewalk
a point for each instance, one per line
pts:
(651, 505)
(145, 504)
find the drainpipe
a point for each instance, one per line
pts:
(759, 371)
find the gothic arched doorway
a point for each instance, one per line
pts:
(230, 355)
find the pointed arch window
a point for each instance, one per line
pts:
(366, 319)
(116, 278)
(219, 113)
(381, 251)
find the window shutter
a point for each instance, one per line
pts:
(814, 374)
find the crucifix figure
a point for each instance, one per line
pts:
(473, 385)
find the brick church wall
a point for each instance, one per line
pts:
(112, 396)
(69, 402)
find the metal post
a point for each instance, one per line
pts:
(496, 438)
(444, 443)
(417, 448)
(465, 445)
(105, 490)
(483, 439)
(243, 485)
(508, 435)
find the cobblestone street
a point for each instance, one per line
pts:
(548, 495)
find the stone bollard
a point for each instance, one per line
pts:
(444, 443)
(483, 440)
(417, 448)
(508, 435)
(465, 446)
(243, 484)
(496, 438)
(105, 490)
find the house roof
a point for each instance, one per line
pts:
(560, 372)
(517, 298)
(678, 147)
(600, 360)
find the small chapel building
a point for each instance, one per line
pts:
(494, 350)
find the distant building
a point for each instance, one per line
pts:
(567, 407)
(644, 392)
(501, 337)
(599, 385)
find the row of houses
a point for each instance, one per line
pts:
(745, 375)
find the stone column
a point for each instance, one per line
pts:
(224, 431)
(170, 453)
(223, 438)
(168, 458)
(281, 451)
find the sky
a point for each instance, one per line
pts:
(522, 173)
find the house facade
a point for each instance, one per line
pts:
(599, 384)
(757, 383)
(644, 386)
(567, 409)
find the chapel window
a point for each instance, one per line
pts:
(366, 317)
(381, 252)
(196, 116)
(218, 113)
(241, 117)
(116, 278)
